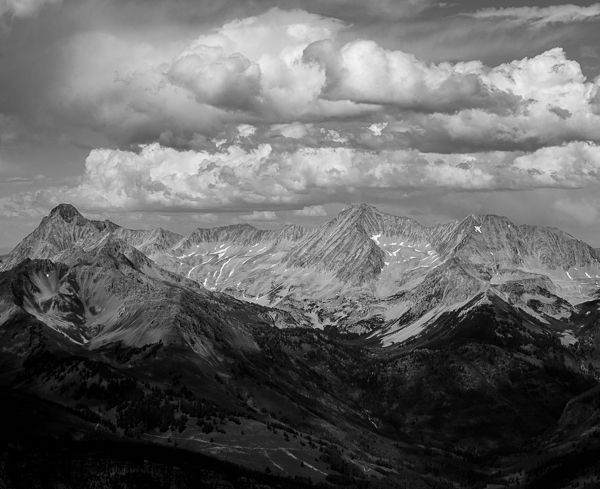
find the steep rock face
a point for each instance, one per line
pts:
(481, 239)
(291, 233)
(343, 246)
(498, 243)
(557, 249)
(349, 244)
(60, 230)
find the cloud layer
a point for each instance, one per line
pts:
(289, 68)
(162, 179)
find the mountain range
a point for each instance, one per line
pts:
(383, 352)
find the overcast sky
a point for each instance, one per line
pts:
(189, 113)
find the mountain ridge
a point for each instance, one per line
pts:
(362, 267)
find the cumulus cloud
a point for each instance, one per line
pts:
(311, 211)
(24, 8)
(294, 130)
(538, 17)
(217, 79)
(364, 72)
(288, 73)
(260, 216)
(164, 179)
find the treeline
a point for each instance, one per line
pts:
(170, 410)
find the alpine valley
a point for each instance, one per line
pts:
(370, 352)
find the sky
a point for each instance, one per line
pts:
(188, 113)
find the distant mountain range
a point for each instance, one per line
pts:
(363, 272)
(470, 339)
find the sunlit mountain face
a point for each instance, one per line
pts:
(371, 351)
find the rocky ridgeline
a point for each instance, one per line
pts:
(346, 245)
(150, 241)
(242, 235)
(385, 267)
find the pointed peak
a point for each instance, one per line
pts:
(361, 207)
(360, 212)
(67, 212)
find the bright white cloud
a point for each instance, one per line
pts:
(260, 216)
(377, 129)
(294, 130)
(159, 178)
(311, 211)
(246, 130)
(539, 16)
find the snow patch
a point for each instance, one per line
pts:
(221, 271)
(221, 252)
(192, 269)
